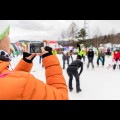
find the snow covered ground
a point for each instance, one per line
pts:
(98, 84)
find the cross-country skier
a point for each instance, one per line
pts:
(116, 58)
(65, 58)
(72, 70)
(101, 55)
(90, 56)
(71, 53)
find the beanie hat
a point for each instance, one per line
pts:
(90, 48)
(4, 29)
(78, 45)
(78, 57)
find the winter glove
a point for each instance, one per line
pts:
(26, 59)
(49, 50)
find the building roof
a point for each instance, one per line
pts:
(53, 41)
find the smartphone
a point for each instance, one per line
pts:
(35, 47)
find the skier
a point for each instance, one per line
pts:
(71, 53)
(65, 58)
(101, 55)
(108, 52)
(82, 54)
(116, 58)
(90, 56)
(72, 70)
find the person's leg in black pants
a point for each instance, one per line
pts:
(103, 61)
(115, 65)
(77, 77)
(88, 62)
(98, 61)
(69, 72)
(71, 58)
(63, 63)
(84, 58)
(68, 59)
(92, 63)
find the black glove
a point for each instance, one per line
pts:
(25, 54)
(49, 49)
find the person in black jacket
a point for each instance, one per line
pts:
(90, 56)
(72, 70)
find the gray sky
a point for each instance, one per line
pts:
(51, 29)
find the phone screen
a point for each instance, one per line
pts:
(36, 47)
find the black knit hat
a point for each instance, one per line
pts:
(78, 57)
(78, 45)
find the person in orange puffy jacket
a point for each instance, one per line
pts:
(19, 84)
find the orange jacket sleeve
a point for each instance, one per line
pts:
(23, 66)
(55, 78)
(55, 87)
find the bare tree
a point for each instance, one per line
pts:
(63, 34)
(98, 33)
(112, 35)
(72, 30)
(112, 32)
(97, 36)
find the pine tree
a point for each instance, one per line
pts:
(81, 34)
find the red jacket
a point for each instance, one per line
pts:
(117, 55)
